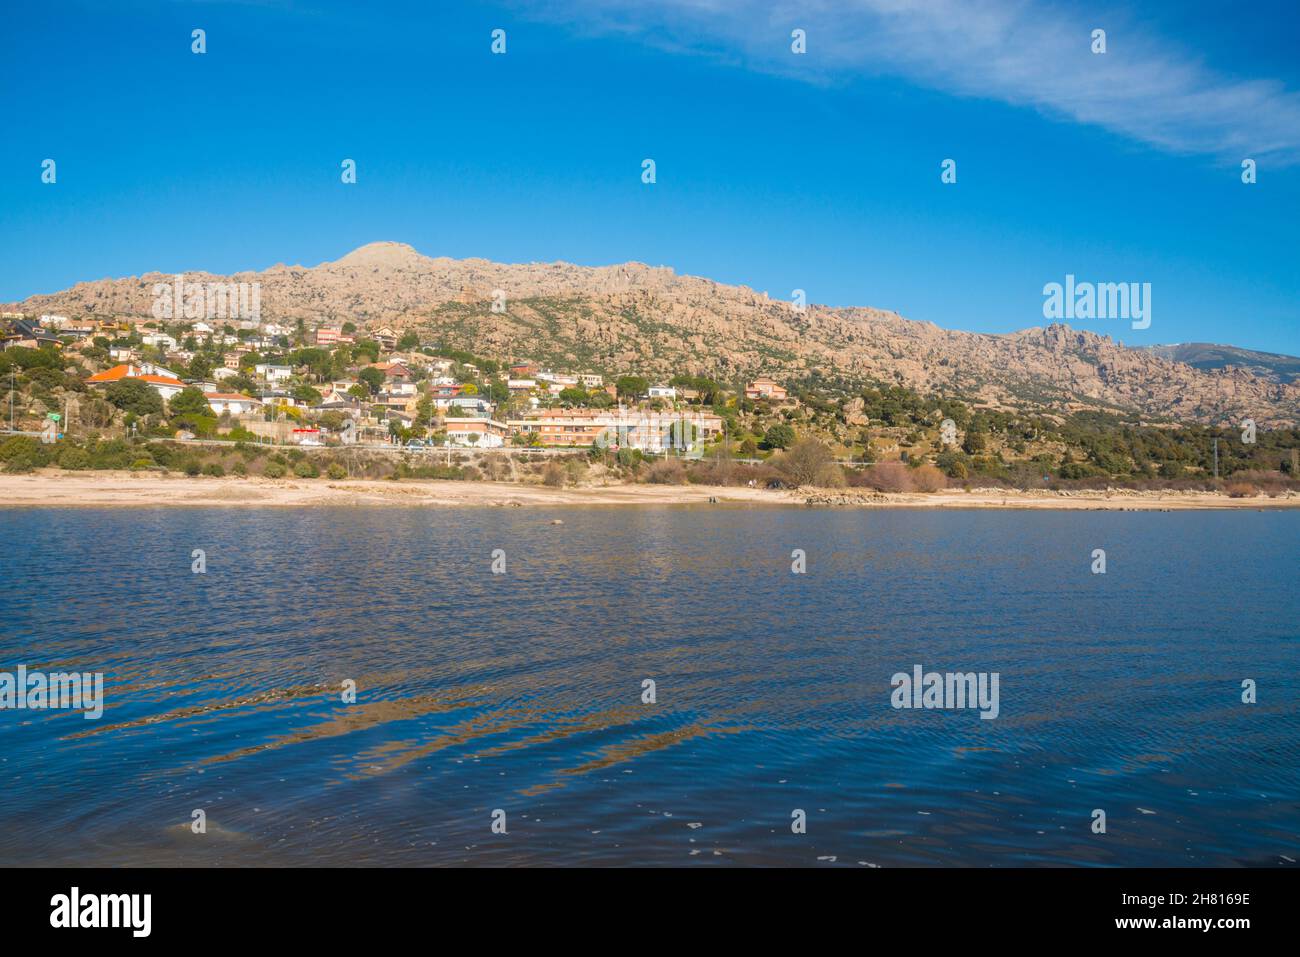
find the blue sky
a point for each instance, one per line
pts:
(819, 172)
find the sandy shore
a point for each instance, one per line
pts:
(56, 488)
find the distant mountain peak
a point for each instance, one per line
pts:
(384, 253)
(1211, 356)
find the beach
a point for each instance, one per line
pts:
(57, 488)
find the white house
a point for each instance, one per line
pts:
(477, 433)
(273, 374)
(562, 379)
(662, 392)
(232, 402)
(473, 403)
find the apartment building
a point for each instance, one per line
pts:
(651, 432)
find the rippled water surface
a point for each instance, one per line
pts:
(522, 692)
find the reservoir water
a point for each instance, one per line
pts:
(525, 692)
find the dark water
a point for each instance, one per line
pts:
(522, 691)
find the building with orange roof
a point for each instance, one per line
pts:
(165, 385)
(765, 388)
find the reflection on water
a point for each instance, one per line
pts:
(523, 691)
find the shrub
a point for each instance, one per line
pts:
(1078, 470)
(809, 462)
(305, 469)
(336, 471)
(721, 472)
(405, 470)
(575, 470)
(830, 475)
(1239, 490)
(952, 464)
(192, 467)
(214, 469)
(927, 478)
(554, 474)
(496, 466)
(273, 470)
(240, 469)
(74, 458)
(666, 472)
(18, 447)
(888, 477)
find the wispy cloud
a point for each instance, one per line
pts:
(1024, 53)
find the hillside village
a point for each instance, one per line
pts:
(305, 385)
(336, 385)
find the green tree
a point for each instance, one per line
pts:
(307, 395)
(132, 395)
(779, 436)
(424, 412)
(631, 386)
(372, 377)
(239, 383)
(200, 367)
(189, 402)
(319, 362)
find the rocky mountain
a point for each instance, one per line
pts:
(1204, 355)
(633, 317)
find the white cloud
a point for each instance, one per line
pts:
(1019, 52)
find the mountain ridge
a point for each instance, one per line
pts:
(1275, 366)
(634, 317)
